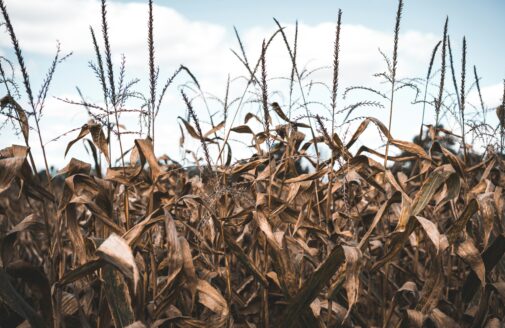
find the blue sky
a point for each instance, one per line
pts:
(199, 34)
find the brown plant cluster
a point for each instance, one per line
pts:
(262, 242)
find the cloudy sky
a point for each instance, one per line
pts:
(199, 34)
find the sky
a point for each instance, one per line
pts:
(199, 34)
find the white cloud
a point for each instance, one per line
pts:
(359, 53)
(39, 24)
(202, 46)
(491, 95)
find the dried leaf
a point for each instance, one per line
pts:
(311, 288)
(461, 222)
(488, 213)
(352, 269)
(116, 251)
(99, 139)
(214, 129)
(470, 254)
(242, 129)
(442, 320)
(20, 112)
(146, 152)
(118, 298)
(192, 131)
(410, 147)
(439, 240)
(213, 300)
(491, 256)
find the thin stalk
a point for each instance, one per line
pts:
(244, 93)
(393, 74)
(103, 83)
(426, 89)
(336, 62)
(501, 119)
(309, 116)
(292, 76)
(264, 95)
(110, 72)
(108, 55)
(462, 108)
(334, 93)
(299, 78)
(152, 71)
(438, 103)
(477, 83)
(195, 119)
(453, 73)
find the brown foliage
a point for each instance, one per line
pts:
(259, 242)
(248, 245)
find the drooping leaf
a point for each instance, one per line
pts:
(118, 298)
(352, 269)
(146, 152)
(311, 288)
(192, 131)
(214, 129)
(20, 112)
(99, 139)
(439, 240)
(491, 256)
(459, 225)
(214, 301)
(14, 165)
(242, 129)
(97, 136)
(116, 251)
(470, 254)
(441, 320)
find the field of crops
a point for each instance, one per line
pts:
(411, 234)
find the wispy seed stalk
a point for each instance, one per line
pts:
(195, 119)
(393, 73)
(103, 83)
(453, 72)
(264, 89)
(110, 72)
(430, 67)
(438, 103)
(152, 70)
(336, 62)
(477, 83)
(108, 55)
(502, 125)
(462, 106)
(293, 67)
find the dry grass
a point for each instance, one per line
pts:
(260, 242)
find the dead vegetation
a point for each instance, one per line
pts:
(260, 242)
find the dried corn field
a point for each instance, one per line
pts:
(285, 238)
